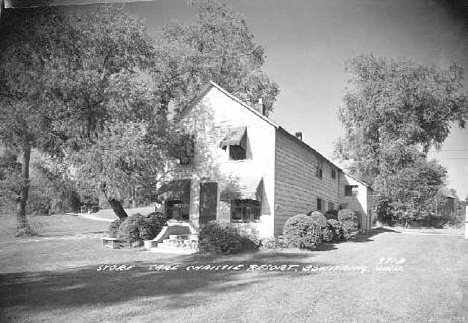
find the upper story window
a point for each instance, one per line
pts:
(351, 190)
(319, 170)
(333, 173)
(236, 141)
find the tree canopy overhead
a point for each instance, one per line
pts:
(65, 74)
(218, 46)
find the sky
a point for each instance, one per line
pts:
(308, 42)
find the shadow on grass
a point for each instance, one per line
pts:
(179, 288)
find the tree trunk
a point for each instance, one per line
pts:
(118, 209)
(22, 224)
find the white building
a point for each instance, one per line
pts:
(248, 170)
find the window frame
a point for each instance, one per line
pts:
(171, 205)
(333, 173)
(239, 149)
(319, 204)
(246, 208)
(351, 190)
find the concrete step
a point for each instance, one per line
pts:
(162, 248)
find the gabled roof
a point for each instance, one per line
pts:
(212, 84)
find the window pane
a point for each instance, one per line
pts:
(237, 152)
(245, 210)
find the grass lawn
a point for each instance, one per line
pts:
(55, 277)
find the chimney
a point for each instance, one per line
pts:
(260, 107)
(299, 135)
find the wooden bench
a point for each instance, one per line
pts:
(112, 243)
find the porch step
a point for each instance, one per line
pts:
(178, 244)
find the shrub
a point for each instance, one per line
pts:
(38, 204)
(114, 228)
(156, 221)
(300, 231)
(321, 221)
(331, 214)
(335, 228)
(250, 237)
(273, 243)
(137, 228)
(220, 238)
(349, 224)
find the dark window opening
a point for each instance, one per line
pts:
(351, 190)
(245, 211)
(177, 210)
(333, 173)
(319, 171)
(237, 152)
(319, 204)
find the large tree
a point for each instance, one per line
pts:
(394, 112)
(219, 47)
(63, 73)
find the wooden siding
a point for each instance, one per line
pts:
(296, 185)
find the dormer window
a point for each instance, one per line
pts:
(236, 141)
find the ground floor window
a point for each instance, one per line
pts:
(331, 206)
(319, 204)
(245, 210)
(177, 210)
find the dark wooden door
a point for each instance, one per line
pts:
(208, 202)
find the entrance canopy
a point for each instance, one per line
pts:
(235, 137)
(243, 189)
(175, 190)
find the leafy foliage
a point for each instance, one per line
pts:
(218, 46)
(394, 112)
(90, 55)
(331, 214)
(219, 238)
(336, 229)
(348, 224)
(321, 221)
(301, 232)
(114, 228)
(137, 227)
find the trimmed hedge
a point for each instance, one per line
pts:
(336, 229)
(219, 238)
(300, 231)
(349, 224)
(137, 227)
(321, 221)
(114, 228)
(331, 214)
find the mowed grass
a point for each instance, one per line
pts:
(55, 278)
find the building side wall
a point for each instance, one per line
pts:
(296, 185)
(361, 203)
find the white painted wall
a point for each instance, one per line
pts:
(210, 120)
(361, 203)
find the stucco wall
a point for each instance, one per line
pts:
(210, 120)
(297, 187)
